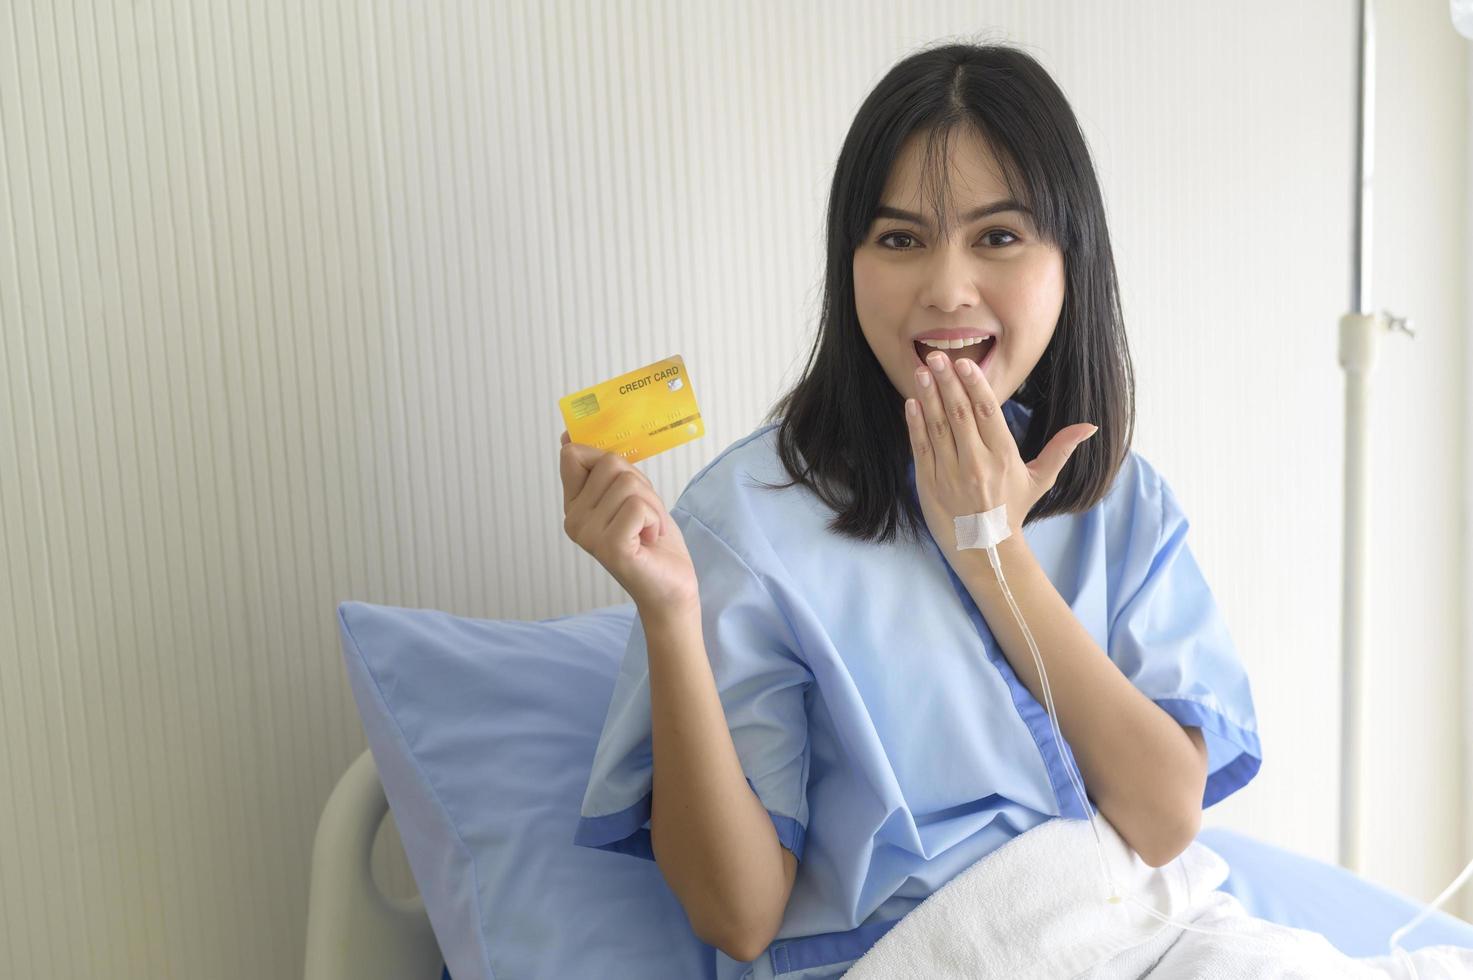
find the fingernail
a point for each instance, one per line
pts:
(924, 377)
(964, 367)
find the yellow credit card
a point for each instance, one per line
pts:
(637, 414)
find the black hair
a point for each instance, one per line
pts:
(842, 433)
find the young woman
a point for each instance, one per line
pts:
(826, 708)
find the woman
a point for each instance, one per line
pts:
(826, 709)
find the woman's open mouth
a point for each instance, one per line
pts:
(978, 354)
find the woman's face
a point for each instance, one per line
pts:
(993, 277)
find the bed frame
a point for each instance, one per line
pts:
(354, 930)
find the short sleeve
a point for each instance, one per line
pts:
(1169, 638)
(762, 682)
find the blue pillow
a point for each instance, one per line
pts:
(483, 732)
(1356, 915)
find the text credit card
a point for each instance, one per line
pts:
(637, 414)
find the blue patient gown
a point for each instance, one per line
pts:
(876, 717)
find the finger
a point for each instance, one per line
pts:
(566, 438)
(986, 410)
(634, 515)
(1046, 467)
(589, 517)
(626, 484)
(601, 476)
(657, 508)
(934, 415)
(574, 463)
(643, 478)
(606, 464)
(958, 405)
(920, 441)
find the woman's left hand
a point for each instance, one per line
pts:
(967, 461)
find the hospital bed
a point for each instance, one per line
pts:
(355, 932)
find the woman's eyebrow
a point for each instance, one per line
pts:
(886, 211)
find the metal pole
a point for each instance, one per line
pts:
(1354, 612)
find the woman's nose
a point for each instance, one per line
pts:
(953, 279)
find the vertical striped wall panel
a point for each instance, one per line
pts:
(288, 293)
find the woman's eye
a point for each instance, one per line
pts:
(907, 236)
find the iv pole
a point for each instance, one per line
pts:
(1360, 331)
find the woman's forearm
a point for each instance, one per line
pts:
(1143, 770)
(712, 837)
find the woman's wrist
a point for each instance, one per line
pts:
(669, 613)
(1013, 553)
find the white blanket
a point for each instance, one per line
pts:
(1037, 907)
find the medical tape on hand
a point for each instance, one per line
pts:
(982, 530)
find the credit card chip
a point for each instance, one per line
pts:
(584, 405)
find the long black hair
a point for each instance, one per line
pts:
(842, 433)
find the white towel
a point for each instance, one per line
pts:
(1037, 907)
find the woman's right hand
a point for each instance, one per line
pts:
(611, 511)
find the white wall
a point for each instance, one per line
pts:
(288, 293)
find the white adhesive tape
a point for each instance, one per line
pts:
(982, 530)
